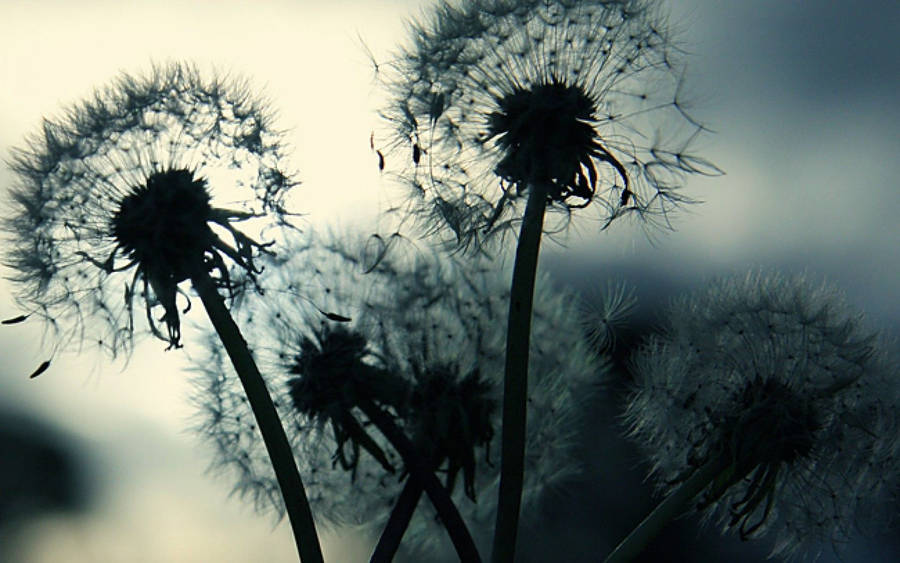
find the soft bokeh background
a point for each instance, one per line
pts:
(803, 96)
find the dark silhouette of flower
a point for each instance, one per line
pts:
(582, 99)
(775, 384)
(117, 200)
(421, 337)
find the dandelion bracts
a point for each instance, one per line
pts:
(767, 399)
(419, 350)
(565, 105)
(138, 190)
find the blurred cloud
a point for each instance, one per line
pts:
(802, 96)
(802, 99)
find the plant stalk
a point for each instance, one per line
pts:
(515, 381)
(401, 515)
(419, 468)
(664, 512)
(295, 501)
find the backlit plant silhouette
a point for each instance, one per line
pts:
(551, 105)
(151, 183)
(767, 397)
(764, 404)
(423, 339)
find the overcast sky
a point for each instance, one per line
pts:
(802, 96)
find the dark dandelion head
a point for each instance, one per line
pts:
(333, 375)
(778, 384)
(767, 430)
(772, 425)
(332, 380)
(162, 224)
(450, 417)
(126, 191)
(585, 97)
(547, 136)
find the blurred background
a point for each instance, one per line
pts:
(96, 462)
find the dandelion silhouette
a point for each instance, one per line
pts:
(426, 339)
(116, 203)
(767, 397)
(121, 201)
(582, 101)
(550, 105)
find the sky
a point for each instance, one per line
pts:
(802, 97)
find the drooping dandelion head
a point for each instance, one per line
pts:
(328, 373)
(424, 338)
(776, 381)
(449, 418)
(772, 425)
(546, 136)
(332, 378)
(163, 223)
(149, 182)
(583, 100)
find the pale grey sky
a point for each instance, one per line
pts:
(802, 96)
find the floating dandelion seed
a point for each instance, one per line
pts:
(117, 201)
(421, 330)
(774, 384)
(583, 100)
(606, 312)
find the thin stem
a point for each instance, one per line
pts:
(398, 522)
(670, 507)
(421, 469)
(295, 501)
(515, 381)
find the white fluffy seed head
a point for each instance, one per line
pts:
(585, 97)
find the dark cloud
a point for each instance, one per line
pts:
(811, 53)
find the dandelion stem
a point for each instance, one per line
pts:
(398, 522)
(419, 468)
(670, 507)
(515, 382)
(295, 501)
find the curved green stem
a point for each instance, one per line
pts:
(515, 382)
(419, 468)
(295, 501)
(670, 507)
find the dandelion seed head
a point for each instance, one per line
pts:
(450, 417)
(429, 334)
(777, 378)
(585, 98)
(118, 201)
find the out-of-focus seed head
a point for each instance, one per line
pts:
(332, 379)
(425, 338)
(776, 379)
(449, 418)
